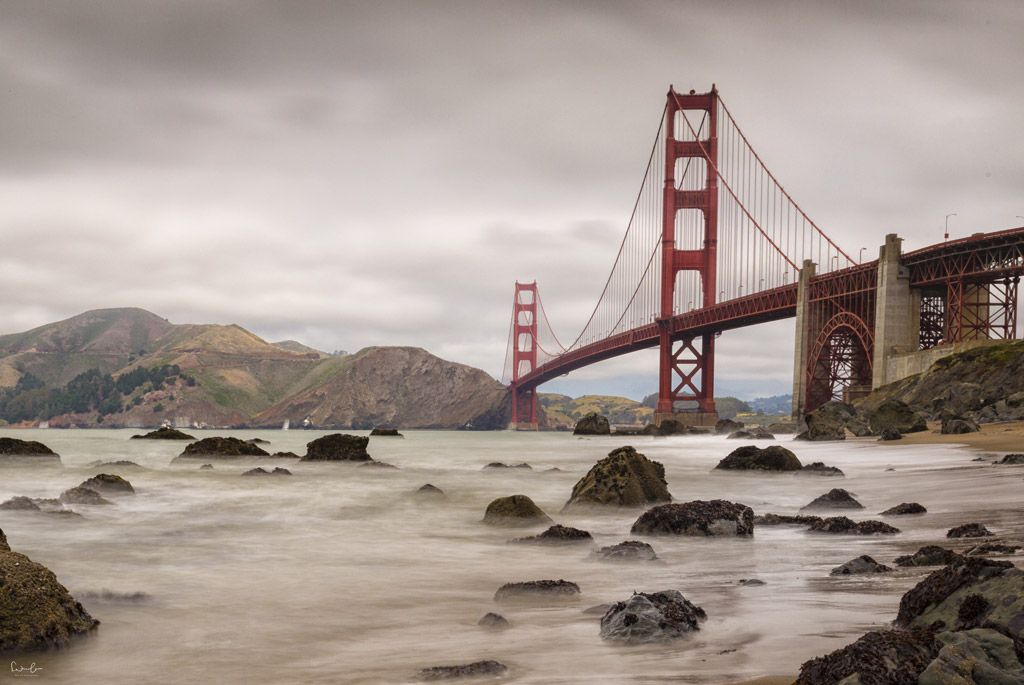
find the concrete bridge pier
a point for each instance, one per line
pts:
(897, 311)
(803, 340)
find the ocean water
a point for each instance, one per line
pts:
(339, 575)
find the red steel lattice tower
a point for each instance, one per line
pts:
(686, 372)
(524, 352)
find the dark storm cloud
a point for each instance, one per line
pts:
(380, 173)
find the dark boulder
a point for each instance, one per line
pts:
(699, 517)
(14, 447)
(477, 669)
(109, 484)
(429, 490)
(881, 657)
(651, 617)
(557, 535)
(557, 589)
(222, 447)
(988, 548)
(751, 582)
(206, 467)
(493, 620)
(374, 464)
(830, 421)
(630, 550)
(1013, 459)
(164, 433)
(673, 427)
(756, 433)
(502, 465)
(929, 555)
(385, 433)
(624, 478)
(843, 526)
(836, 498)
(119, 463)
(81, 495)
(19, 504)
(969, 530)
(263, 472)
(36, 611)
(338, 447)
(753, 458)
(284, 455)
(820, 469)
(515, 510)
(592, 424)
(957, 425)
(257, 441)
(860, 565)
(905, 509)
(890, 434)
(897, 414)
(785, 520)
(726, 426)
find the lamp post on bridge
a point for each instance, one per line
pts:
(947, 225)
(860, 257)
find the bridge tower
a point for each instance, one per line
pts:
(687, 365)
(524, 355)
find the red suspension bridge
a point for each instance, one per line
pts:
(714, 242)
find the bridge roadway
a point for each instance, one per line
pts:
(984, 254)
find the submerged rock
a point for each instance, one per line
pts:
(206, 467)
(82, 495)
(338, 447)
(624, 478)
(755, 433)
(699, 517)
(14, 447)
(109, 484)
(905, 509)
(785, 520)
(929, 555)
(537, 588)
(881, 657)
(120, 463)
(19, 504)
(862, 564)
(752, 458)
(502, 465)
(429, 490)
(222, 447)
(36, 611)
(820, 469)
(385, 433)
(630, 550)
(750, 582)
(493, 620)
(263, 472)
(844, 526)
(557, 535)
(651, 617)
(592, 424)
(477, 669)
(164, 433)
(836, 498)
(516, 510)
(969, 530)
(374, 464)
(1014, 459)
(992, 548)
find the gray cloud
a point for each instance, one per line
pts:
(380, 173)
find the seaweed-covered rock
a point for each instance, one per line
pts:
(699, 517)
(937, 598)
(592, 424)
(881, 657)
(755, 433)
(82, 495)
(753, 458)
(222, 447)
(36, 611)
(630, 550)
(726, 426)
(987, 548)
(969, 530)
(785, 520)
(958, 425)
(109, 484)
(624, 478)
(651, 617)
(905, 509)
(515, 510)
(973, 657)
(818, 468)
(1013, 459)
(557, 535)
(385, 433)
(844, 526)
(860, 565)
(493, 620)
(929, 555)
(338, 447)
(897, 414)
(559, 589)
(164, 433)
(19, 504)
(889, 434)
(477, 669)
(13, 447)
(836, 498)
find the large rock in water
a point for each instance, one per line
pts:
(592, 424)
(836, 498)
(478, 669)
(164, 433)
(109, 484)
(222, 447)
(36, 611)
(726, 426)
(753, 458)
(13, 447)
(860, 565)
(338, 447)
(830, 421)
(516, 510)
(895, 414)
(651, 617)
(715, 517)
(624, 478)
(929, 555)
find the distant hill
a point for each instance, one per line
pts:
(778, 404)
(562, 411)
(131, 367)
(728, 407)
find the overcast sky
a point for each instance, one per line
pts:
(379, 173)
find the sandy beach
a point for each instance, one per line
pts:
(994, 437)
